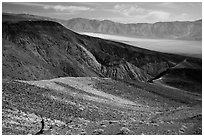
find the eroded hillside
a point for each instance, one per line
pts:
(33, 47)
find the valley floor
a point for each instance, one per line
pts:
(182, 47)
(90, 105)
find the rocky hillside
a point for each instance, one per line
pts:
(97, 106)
(171, 30)
(41, 49)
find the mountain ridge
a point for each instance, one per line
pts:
(185, 30)
(30, 47)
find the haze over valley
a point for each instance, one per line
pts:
(182, 47)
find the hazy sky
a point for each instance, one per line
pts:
(138, 12)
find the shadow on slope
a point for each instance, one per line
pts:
(185, 76)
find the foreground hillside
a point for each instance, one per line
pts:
(97, 106)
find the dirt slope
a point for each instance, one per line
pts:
(90, 106)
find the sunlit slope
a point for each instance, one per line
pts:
(86, 105)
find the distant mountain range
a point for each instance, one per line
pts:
(185, 30)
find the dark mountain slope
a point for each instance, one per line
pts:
(35, 42)
(185, 75)
(23, 17)
(33, 47)
(171, 30)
